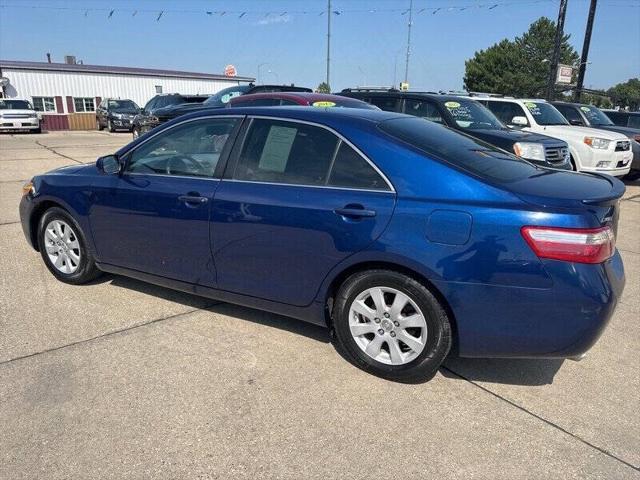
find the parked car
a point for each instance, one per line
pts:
(303, 99)
(116, 114)
(624, 118)
(591, 150)
(217, 100)
(402, 236)
(160, 109)
(590, 116)
(18, 114)
(472, 118)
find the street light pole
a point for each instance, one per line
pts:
(406, 66)
(328, 43)
(259, 66)
(556, 49)
(585, 52)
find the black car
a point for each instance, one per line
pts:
(116, 114)
(624, 118)
(590, 116)
(161, 108)
(218, 100)
(474, 119)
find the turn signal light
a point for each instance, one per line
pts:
(28, 188)
(578, 245)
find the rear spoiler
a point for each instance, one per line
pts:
(617, 191)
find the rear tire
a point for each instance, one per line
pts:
(135, 133)
(99, 126)
(409, 335)
(110, 126)
(63, 247)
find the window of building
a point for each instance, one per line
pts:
(158, 88)
(44, 104)
(84, 104)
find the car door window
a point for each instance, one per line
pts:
(421, 108)
(570, 114)
(390, 104)
(150, 104)
(351, 170)
(286, 152)
(190, 149)
(505, 111)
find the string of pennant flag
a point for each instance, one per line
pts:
(159, 14)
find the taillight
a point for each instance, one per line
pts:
(579, 245)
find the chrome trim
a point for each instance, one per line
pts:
(340, 136)
(190, 177)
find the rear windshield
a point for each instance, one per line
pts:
(470, 154)
(6, 104)
(221, 98)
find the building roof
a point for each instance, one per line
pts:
(147, 72)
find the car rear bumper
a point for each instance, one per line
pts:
(563, 321)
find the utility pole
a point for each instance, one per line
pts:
(556, 49)
(406, 66)
(328, 42)
(585, 52)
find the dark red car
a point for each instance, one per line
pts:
(275, 99)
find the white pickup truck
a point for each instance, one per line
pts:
(18, 115)
(591, 149)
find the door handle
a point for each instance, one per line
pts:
(193, 199)
(354, 212)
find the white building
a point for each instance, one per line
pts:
(68, 93)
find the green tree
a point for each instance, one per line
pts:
(323, 88)
(626, 94)
(518, 67)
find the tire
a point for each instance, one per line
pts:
(409, 365)
(573, 164)
(99, 126)
(135, 133)
(80, 265)
(110, 126)
(37, 130)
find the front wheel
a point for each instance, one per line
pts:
(64, 249)
(99, 126)
(110, 126)
(135, 132)
(391, 325)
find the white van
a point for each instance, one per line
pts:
(591, 149)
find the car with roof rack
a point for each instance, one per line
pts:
(161, 108)
(590, 149)
(472, 118)
(591, 116)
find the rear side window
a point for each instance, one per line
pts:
(286, 152)
(505, 111)
(350, 170)
(258, 102)
(424, 109)
(571, 114)
(389, 104)
(466, 152)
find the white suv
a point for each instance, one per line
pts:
(592, 150)
(18, 115)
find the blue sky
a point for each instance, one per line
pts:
(366, 47)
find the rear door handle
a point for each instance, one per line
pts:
(193, 199)
(355, 212)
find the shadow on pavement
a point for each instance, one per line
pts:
(530, 372)
(298, 327)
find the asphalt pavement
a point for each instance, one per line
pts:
(122, 379)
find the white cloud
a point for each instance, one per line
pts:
(274, 18)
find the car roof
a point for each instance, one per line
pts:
(571, 104)
(328, 115)
(306, 97)
(445, 97)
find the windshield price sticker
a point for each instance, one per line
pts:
(451, 105)
(323, 104)
(585, 109)
(533, 108)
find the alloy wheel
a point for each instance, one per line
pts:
(62, 246)
(388, 325)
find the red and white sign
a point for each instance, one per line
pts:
(565, 74)
(230, 71)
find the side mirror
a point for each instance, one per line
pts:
(575, 121)
(109, 164)
(519, 121)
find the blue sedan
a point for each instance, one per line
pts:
(405, 238)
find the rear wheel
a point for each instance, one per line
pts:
(110, 126)
(135, 132)
(388, 324)
(99, 125)
(64, 249)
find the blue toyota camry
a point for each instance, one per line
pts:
(405, 238)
